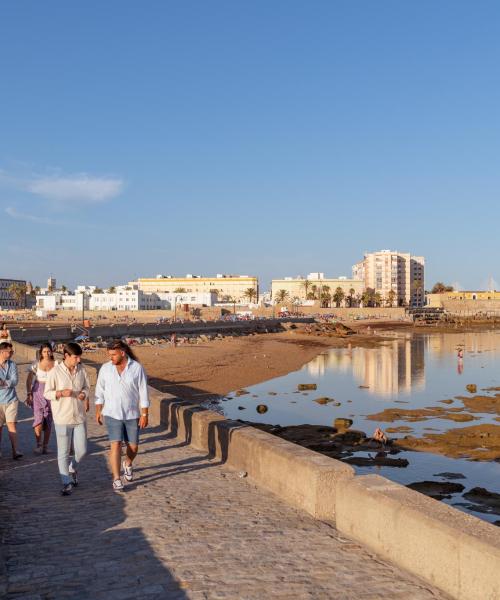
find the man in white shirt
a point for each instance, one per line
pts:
(121, 398)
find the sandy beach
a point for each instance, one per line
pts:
(217, 367)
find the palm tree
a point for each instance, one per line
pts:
(377, 299)
(296, 303)
(98, 290)
(326, 299)
(232, 299)
(352, 291)
(306, 284)
(64, 289)
(250, 293)
(440, 288)
(281, 296)
(338, 296)
(112, 289)
(18, 290)
(367, 297)
(391, 297)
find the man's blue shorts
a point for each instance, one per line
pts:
(122, 431)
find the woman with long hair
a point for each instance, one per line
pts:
(35, 385)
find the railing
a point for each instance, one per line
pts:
(80, 329)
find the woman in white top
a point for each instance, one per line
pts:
(35, 386)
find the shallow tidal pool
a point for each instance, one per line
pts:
(408, 371)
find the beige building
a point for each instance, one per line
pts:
(310, 287)
(227, 287)
(478, 295)
(400, 272)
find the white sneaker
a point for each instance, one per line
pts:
(128, 471)
(118, 485)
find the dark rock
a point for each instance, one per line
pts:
(306, 386)
(242, 407)
(342, 423)
(351, 437)
(379, 461)
(448, 475)
(488, 502)
(437, 489)
(241, 393)
(262, 408)
(471, 388)
(324, 400)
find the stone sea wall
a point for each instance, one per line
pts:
(454, 551)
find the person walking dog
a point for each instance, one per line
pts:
(122, 402)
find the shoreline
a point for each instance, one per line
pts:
(215, 368)
(198, 372)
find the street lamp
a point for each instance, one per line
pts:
(175, 307)
(83, 309)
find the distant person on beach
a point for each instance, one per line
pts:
(8, 397)
(67, 387)
(121, 400)
(35, 385)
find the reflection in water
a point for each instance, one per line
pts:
(388, 370)
(392, 371)
(442, 344)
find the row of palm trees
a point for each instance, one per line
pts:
(312, 292)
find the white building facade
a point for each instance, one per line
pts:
(60, 301)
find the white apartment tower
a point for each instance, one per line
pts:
(401, 272)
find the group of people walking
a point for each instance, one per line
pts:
(59, 394)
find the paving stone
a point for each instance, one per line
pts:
(186, 528)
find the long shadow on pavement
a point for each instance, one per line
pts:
(75, 547)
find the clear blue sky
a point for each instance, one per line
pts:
(266, 137)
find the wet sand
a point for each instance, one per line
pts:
(217, 367)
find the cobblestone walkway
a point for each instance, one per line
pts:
(187, 527)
